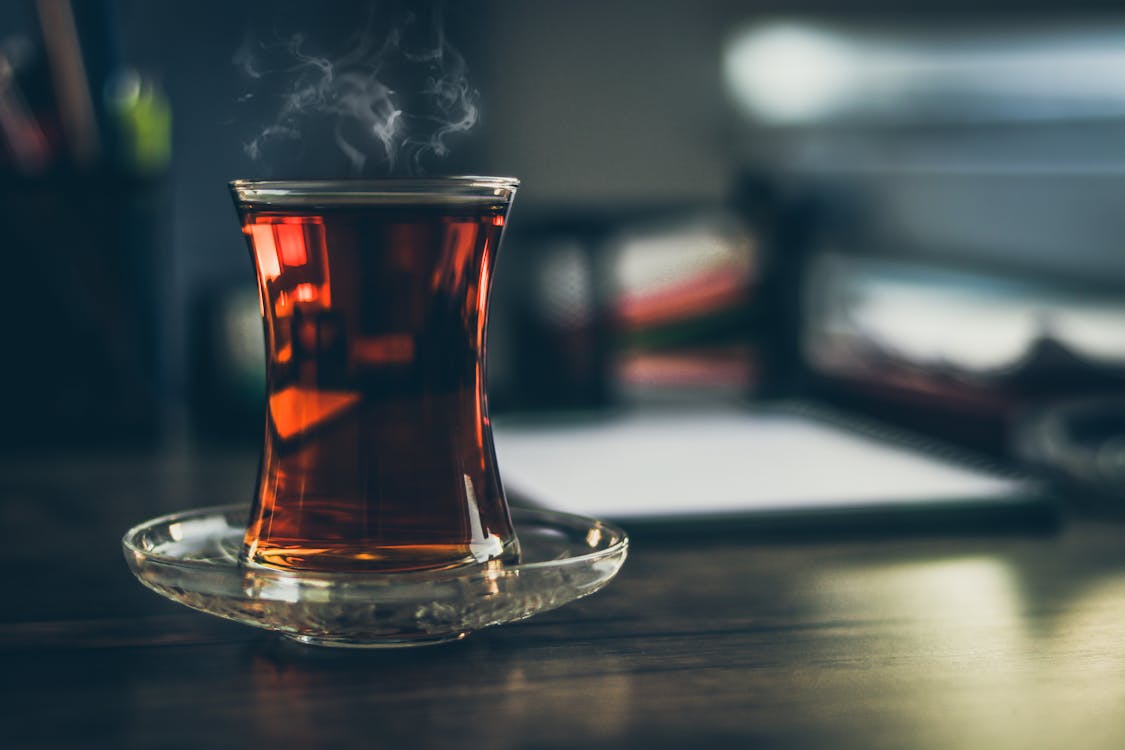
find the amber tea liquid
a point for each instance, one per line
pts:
(378, 450)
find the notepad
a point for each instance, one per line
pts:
(738, 465)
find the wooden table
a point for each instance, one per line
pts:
(950, 642)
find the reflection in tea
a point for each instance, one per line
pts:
(378, 451)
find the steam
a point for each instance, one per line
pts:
(388, 103)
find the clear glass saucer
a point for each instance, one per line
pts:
(192, 558)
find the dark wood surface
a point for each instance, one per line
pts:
(944, 642)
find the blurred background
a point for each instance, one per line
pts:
(911, 215)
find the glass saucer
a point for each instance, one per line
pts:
(192, 558)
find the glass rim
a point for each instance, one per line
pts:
(458, 188)
(376, 182)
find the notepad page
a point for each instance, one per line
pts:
(658, 465)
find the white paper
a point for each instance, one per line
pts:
(668, 465)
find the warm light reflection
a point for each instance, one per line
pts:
(940, 636)
(479, 305)
(459, 247)
(296, 410)
(291, 244)
(1084, 654)
(283, 307)
(390, 349)
(305, 293)
(266, 250)
(595, 706)
(962, 592)
(295, 245)
(1088, 640)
